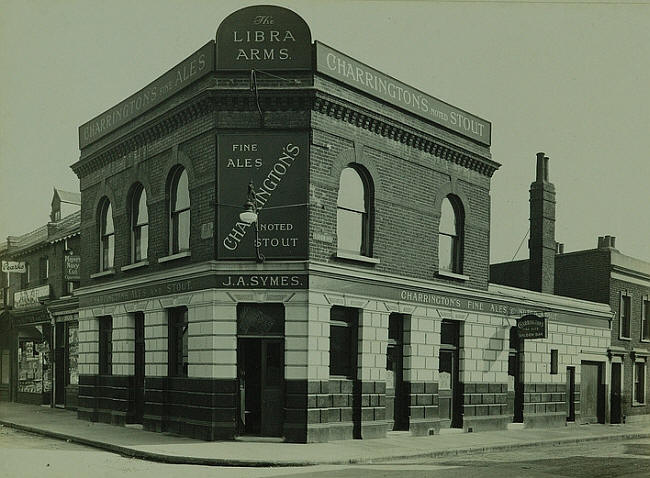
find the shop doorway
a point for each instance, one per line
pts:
(592, 399)
(571, 394)
(515, 369)
(260, 369)
(616, 393)
(59, 365)
(449, 396)
(138, 381)
(396, 403)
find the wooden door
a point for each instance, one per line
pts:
(591, 399)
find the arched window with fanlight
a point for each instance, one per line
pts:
(353, 213)
(450, 235)
(139, 225)
(106, 236)
(179, 212)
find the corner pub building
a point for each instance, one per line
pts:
(351, 299)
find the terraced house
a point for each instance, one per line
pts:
(279, 240)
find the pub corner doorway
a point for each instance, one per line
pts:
(260, 369)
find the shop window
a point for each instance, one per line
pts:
(645, 319)
(554, 361)
(450, 235)
(139, 225)
(178, 342)
(105, 345)
(73, 354)
(179, 212)
(107, 236)
(639, 382)
(5, 369)
(43, 269)
(624, 315)
(32, 360)
(352, 212)
(343, 341)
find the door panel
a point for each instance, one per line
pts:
(272, 387)
(589, 392)
(261, 386)
(139, 367)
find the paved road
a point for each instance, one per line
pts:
(23, 455)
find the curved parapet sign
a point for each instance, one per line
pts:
(263, 37)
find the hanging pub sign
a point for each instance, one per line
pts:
(14, 267)
(71, 266)
(263, 37)
(532, 327)
(277, 165)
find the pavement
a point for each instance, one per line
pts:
(167, 448)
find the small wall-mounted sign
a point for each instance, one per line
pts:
(14, 267)
(532, 327)
(71, 265)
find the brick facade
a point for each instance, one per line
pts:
(410, 165)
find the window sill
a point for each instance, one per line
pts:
(356, 257)
(629, 339)
(173, 257)
(452, 275)
(108, 272)
(135, 265)
(637, 404)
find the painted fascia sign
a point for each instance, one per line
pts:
(25, 298)
(532, 327)
(263, 37)
(353, 73)
(277, 164)
(14, 267)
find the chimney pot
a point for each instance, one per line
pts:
(612, 242)
(601, 242)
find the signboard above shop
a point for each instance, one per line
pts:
(71, 265)
(194, 67)
(347, 70)
(263, 37)
(31, 297)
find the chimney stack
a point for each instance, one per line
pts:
(542, 246)
(607, 242)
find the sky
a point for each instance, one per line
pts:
(571, 79)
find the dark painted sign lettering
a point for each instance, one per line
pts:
(532, 327)
(354, 73)
(263, 37)
(278, 166)
(185, 73)
(219, 281)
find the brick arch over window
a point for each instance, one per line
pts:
(104, 192)
(347, 158)
(447, 189)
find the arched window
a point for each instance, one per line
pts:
(179, 223)
(352, 214)
(139, 225)
(106, 236)
(450, 235)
